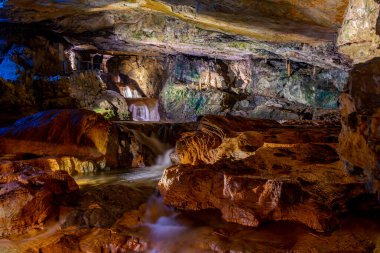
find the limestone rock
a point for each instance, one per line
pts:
(259, 170)
(360, 137)
(183, 103)
(29, 196)
(113, 102)
(359, 36)
(84, 88)
(72, 165)
(102, 206)
(75, 133)
(150, 73)
(221, 30)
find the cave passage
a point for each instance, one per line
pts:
(189, 126)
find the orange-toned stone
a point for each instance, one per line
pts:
(76, 133)
(292, 173)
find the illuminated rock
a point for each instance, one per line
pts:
(359, 36)
(359, 141)
(255, 171)
(114, 103)
(76, 133)
(221, 29)
(29, 196)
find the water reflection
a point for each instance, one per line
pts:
(147, 175)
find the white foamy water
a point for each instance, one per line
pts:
(144, 110)
(164, 228)
(127, 92)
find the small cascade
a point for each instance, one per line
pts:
(148, 175)
(144, 109)
(127, 92)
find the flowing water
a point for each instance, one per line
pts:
(127, 92)
(144, 109)
(148, 175)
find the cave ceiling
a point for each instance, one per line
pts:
(298, 30)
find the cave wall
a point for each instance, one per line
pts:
(35, 74)
(187, 86)
(250, 88)
(190, 86)
(149, 72)
(24, 58)
(359, 141)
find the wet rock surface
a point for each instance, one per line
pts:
(29, 196)
(140, 143)
(255, 171)
(77, 133)
(81, 141)
(206, 232)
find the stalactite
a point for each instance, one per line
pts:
(289, 67)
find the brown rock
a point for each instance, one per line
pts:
(72, 165)
(103, 205)
(28, 196)
(359, 141)
(75, 133)
(284, 172)
(237, 138)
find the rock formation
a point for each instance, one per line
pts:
(359, 36)
(359, 139)
(29, 196)
(73, 133)
(197, 60)
(255, 171)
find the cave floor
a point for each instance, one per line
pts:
(153, 227)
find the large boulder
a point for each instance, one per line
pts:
(28, 196)
(75, 133)
(112, 104)
(259, 170)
